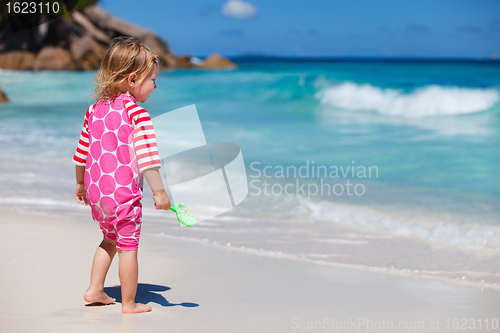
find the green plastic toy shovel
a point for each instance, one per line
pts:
(184, 215)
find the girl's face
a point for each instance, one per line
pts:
(142, 91)
(147, 85)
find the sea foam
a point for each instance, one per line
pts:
(431, 100)
(371, 220)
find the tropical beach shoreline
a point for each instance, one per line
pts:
(368, 132)
(194, 287)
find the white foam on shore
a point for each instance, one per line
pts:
(365, 219)
(400, 222)
(427, 101)
(37, 201)
(463, 278)
(443, 232)
(326, 233)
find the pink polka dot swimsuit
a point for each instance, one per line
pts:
(117, 144)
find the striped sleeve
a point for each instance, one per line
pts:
(80, 157)
(146, 149)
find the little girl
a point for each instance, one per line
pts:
(117, 147)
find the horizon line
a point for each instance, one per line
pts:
(356, 58)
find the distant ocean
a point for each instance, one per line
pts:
(383, 165)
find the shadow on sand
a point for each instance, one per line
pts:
(146, 293)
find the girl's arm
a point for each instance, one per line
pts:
(146, 151)
(155, 183)
(80, 191)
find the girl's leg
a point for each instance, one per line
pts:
(102, 260)
(129, 274)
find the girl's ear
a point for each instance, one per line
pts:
(132, 79)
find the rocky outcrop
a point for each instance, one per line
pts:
(76, 42)
(115, 27)
(3, 97)
(215, 61)
(54, 59)
(17, 60)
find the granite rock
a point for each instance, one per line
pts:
(3, 97)
(216, 61)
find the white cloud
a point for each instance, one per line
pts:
(238, 9)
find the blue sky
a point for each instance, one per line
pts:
(328, 28)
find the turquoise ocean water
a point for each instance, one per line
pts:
(384, 165)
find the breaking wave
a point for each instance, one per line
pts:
(427, 101)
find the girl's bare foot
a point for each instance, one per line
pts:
(98, 297)
(135, 308)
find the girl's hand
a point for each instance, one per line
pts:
(162, 202)
(81, 194)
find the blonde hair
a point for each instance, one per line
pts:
(126, 55)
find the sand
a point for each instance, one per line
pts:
(199, 287)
